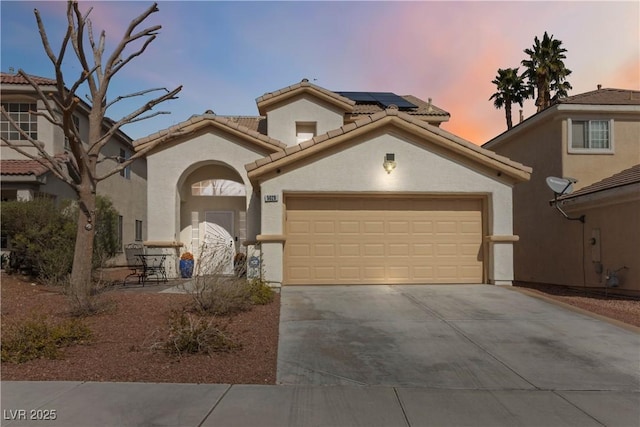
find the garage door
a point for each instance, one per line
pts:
(347, 240)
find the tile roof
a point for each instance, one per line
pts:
(620, 179)
(248, 126)
(22, 167)
(350, 127)
(604, 97)
(255, 123)
(17, 79)
(304, 84)
(424, 108)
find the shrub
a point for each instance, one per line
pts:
(261, 293)
(221, 295)
(191, 334)
(38, 337)
(42, 236)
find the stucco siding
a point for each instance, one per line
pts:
(357, 168)
(590, 168)
(169, 167)
(281, 120)
(616, 221)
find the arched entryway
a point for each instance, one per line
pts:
(213, 212)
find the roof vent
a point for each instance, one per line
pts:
(429, 107)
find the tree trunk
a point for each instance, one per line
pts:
(507, 112)
(81, 286)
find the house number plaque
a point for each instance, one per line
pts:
(270, 198)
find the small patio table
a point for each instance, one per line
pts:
(153, 265)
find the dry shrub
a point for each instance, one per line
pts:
(191, 333)
(40, 337)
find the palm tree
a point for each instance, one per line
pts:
(511, 89)
(546, 71)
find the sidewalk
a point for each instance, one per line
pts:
(152, 404)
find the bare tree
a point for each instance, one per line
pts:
(79, 168)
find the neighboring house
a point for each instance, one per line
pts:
(26, 179)
(335, 188)
(591, 137)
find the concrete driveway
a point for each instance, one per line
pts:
(454, 337)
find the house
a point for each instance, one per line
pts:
(330, 187)
(591, 137)
(26, 179)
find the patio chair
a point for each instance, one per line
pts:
(135, 264)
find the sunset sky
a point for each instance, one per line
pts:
(226, 54)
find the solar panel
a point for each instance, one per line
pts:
(384, 99)
(364, 97)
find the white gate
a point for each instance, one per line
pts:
(218, 247)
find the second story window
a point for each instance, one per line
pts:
(305, 131)
(22, 114)
(590, 135)
(124, 155)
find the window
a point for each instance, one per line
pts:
(21, 114)
(591, 135)
(120, 228)
(305, 131)
(138, 230)
(218, 187)
(124, 155)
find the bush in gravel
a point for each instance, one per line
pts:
(39, 337)
(261, 293)
(215, 291)
(191, 333)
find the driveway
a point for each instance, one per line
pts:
(464, 337)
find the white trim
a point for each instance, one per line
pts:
(572, 150)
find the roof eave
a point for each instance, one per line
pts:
(519, 173)
(194, 125)
(264, 104)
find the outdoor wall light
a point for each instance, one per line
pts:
(389, 163)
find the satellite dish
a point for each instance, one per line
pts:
(561, 186)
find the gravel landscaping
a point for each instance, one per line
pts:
(133, 321)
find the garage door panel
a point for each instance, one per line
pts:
(349, 227)
(373, 227)
(358, 240)
(422, 227)
(324, 227)
(349, 249)
(398, 249)
(373, 250)
(324, 250)
(423, 249)
(373, 272)
(325, 273)
(297, 250)
(299, 227)
(469, 249)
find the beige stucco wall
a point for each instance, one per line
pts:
(128, 195)
(358, 168)
(590, 168)
(550, 245)
(617, 220)
(281, 119)
(173, 164)
(51, 136)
